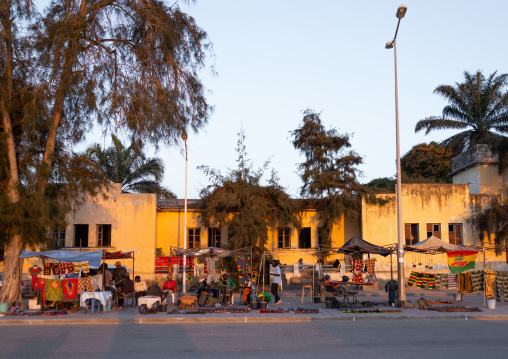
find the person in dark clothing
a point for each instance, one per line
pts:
(127, 284)
(118, 274)
(127, 287)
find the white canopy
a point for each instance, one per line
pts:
(434, 244)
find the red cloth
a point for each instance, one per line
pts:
(70, 288)
(41, 283)
(171, 285)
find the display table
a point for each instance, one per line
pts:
(103, 297)
(340, 289)
(149, 300)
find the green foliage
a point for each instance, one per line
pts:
(478, 107)
(329, 172)
(130, 167)
(159, 252)
(128, 65)
(382, 184)
(240, 202)
(427, 163)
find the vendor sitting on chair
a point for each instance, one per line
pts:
(225, 281)
(168, 287)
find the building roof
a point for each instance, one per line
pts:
(178, 204)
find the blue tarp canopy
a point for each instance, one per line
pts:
(93, 257)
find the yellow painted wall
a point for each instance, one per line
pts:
(442, 204)
(133, 227)
(170, 233)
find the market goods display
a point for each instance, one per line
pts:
(229, 309)
(362, 311)
(454, 309)
(290, 310)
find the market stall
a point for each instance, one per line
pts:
(62, 279)
(463, 274)
(243, 261)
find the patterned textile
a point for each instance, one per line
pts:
(431, 281)
(54, 290)
(464, 282)
(476, 280)
(441, 280)
(81, 266)
(47, 268)
(502, 285)
(84, 285)
(41, 286)
(70, 288)
(490, 281)
(371, 263)
(412, 279)
(452, 281)
(356, 269)
(66, 267)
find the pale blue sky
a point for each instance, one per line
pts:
(277, 58)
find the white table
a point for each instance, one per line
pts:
(103, 297)
(149, 300)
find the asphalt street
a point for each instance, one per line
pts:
(359, 339)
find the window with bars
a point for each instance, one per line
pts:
(284, 237)
(213, 237)
(194, 238)
(455, 233)
(103, 235)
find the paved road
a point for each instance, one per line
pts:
(361, 339)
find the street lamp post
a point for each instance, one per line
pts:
(184, 287)
(401, 11)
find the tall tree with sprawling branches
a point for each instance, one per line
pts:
(128, 65)
(478, 107)
(130, 167)
(244, 205)
(329, 172)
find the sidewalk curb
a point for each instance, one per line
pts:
(348, 318)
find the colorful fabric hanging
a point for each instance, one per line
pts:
(41, 286)
(66, 267)
(84, 285)
(461, 261)
(70, 288)
(54, 290)
(356, 269)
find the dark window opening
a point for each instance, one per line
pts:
(304, 238)
(81, 235)
(103, 235)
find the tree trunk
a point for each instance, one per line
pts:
(11, 288)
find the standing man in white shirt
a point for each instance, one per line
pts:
(276, 280)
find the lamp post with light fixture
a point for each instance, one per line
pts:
(401, 12)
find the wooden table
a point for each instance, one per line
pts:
(340, 289)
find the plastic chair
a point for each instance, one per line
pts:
(126, 297)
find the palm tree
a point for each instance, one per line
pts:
(130, 167)
(479, 106)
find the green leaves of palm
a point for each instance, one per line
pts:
(478, 106)
(130, 167)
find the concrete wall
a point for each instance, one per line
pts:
(441, 204)
(133, 227)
